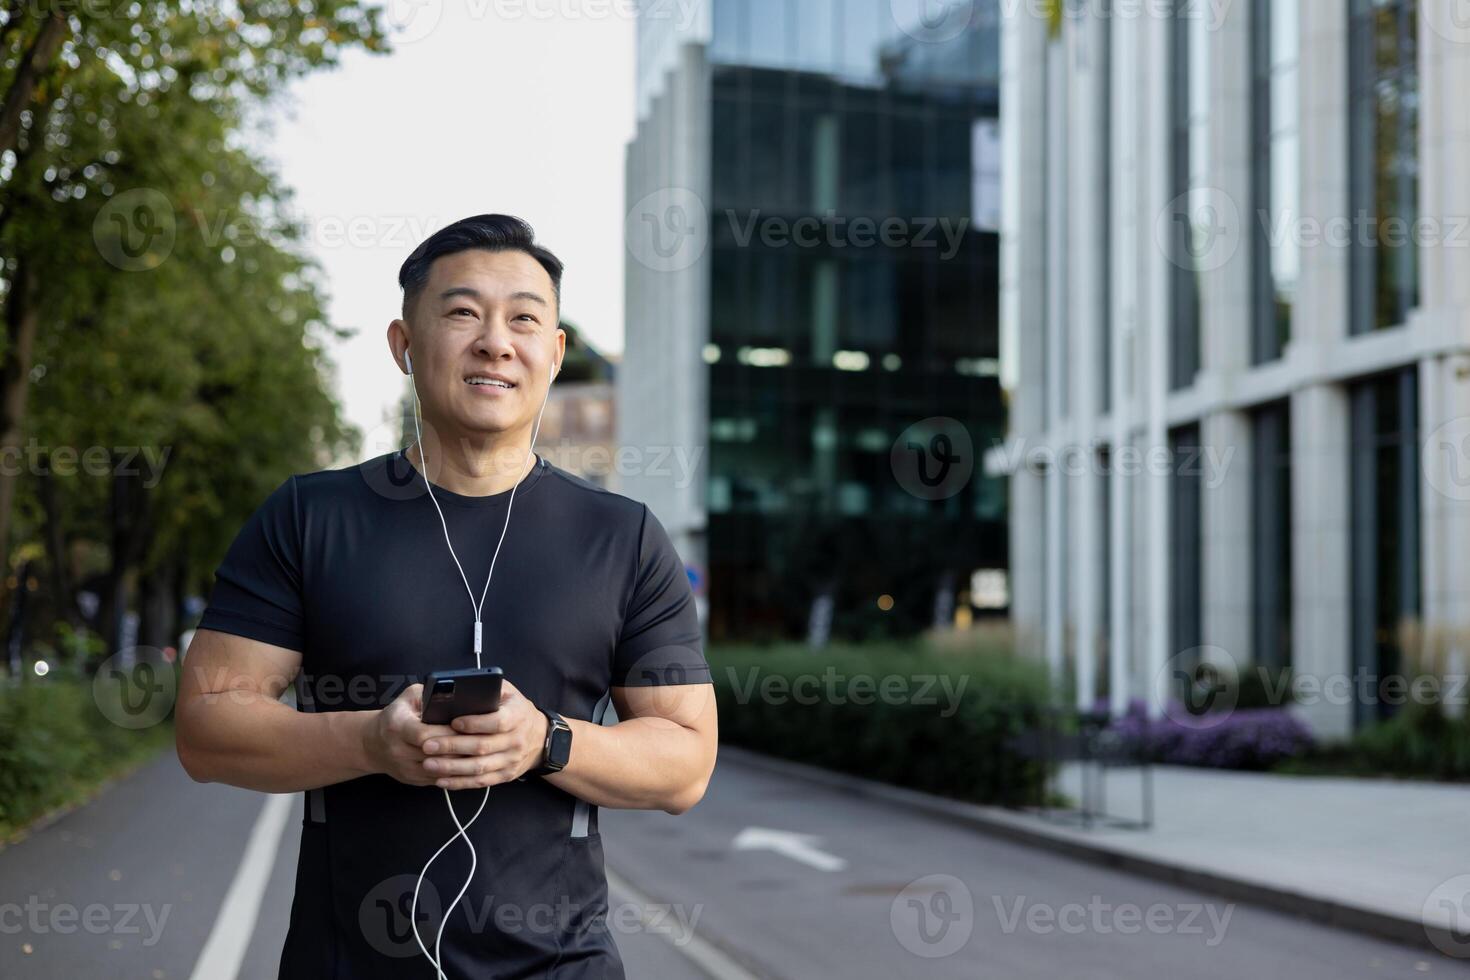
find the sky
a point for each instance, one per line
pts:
(481, 107)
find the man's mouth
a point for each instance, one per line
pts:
(485, 379)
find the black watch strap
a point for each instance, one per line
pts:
(556, 750)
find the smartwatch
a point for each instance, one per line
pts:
(558, 748)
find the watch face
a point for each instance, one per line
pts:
(561, 747)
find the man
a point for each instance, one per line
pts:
(351, 584)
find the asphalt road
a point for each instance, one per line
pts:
(160, 878)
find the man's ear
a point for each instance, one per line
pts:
(398, 340)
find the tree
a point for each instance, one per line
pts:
(154, 293)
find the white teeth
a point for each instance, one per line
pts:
(489, 381)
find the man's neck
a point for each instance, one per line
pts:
(475, 469)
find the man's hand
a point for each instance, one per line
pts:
(395, 741)
(484, 750)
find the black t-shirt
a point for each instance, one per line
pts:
(350, 568)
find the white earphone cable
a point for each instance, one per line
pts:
(477, 606)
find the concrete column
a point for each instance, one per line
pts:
(1444, 380)
(1127, 249)
(1088, 263)
(1058, 273)
(1225, 313)
(1320, 515)
(1156, 273)
(1321, 625)
(1022, 286)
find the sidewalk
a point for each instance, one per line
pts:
(1383, 856)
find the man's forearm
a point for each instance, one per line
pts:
(247, 739)
(641, 763)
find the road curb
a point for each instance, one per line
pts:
(1017, 827)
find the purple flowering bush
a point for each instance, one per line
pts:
(1246, 738)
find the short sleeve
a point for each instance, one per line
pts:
(661, 641)
(257, 588)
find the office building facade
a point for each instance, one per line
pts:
(1236, 336)
(813, 197)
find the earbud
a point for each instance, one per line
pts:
(407, 361)
(555, 367)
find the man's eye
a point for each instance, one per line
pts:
(462, 309)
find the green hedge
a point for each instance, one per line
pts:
(956, 747)
(56, 746)
(1418, 742)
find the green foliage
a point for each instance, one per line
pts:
(55, 746)
(935, 721)
(203, 345)
(1419, 741)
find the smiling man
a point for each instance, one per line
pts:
(357, 583)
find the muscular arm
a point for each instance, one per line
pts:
(231, 726)
(659, 756)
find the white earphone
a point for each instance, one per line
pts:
(462, 829)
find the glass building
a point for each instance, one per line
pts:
(1235, 303)
(814, 198)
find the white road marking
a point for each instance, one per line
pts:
(224, 950)
(798, 847)
(714, 962)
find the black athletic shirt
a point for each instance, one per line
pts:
(350, 568)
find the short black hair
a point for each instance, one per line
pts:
(491, 232)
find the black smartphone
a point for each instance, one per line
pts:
(451, 693)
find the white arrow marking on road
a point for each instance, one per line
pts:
(798, 847)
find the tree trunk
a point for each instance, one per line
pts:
(58, 562)
(22, 317)
(131, 527)
(159, 627)
(35, 63)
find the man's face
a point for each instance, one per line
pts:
(484, 320)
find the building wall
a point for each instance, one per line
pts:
(1090, 327)
(662, 381)
(789, 369)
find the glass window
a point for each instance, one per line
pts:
(1276, 175)
(1383, 161)
(1186, 480)
(1384, 491)
(985, 174)
(727, 43)
(816, 26)
(1271, 535)
(864, 24)
(768, 32)
(1189, 54)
